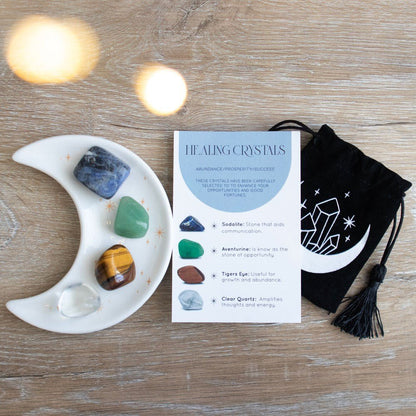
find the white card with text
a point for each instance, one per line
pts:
(236, 219)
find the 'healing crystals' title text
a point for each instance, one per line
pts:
(236, 150)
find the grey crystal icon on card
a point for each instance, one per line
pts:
(316, 227)
(190, 300)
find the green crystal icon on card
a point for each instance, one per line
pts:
(189, 249)
(132, 219)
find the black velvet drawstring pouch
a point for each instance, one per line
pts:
(348, 202)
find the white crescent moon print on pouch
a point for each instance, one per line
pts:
(57, 157)
(326, 263)
(319, 240)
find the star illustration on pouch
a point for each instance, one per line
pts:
(347, 238)
(349, 222)
(303, 204)
(317, 191)
(347, 194)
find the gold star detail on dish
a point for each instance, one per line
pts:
(141, 273)
(145, 178)
(142, 201)
(147, 241)
(148, 281)
(160, 233)
(67, 157)
(110, 205)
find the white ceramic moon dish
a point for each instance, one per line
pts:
(61, 309)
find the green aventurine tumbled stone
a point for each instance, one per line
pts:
(190, 249)
(132, 220)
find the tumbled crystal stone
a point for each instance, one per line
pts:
(78, 300)
(190, 223)
(190, 300)
(115, 268)
(189, 249)
(191, 274)
(132, 220)
(101, 172)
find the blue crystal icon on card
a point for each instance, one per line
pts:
(101, 172)
(190, 223)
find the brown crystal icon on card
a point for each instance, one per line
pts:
(191, 274)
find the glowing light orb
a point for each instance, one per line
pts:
(161, 90)
(43, 50)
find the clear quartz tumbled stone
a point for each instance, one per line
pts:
(78, 300)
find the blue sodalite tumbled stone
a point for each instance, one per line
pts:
(190, 223)
(190, 300)
(101, 172)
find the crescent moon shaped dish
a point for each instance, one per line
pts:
(58, 309)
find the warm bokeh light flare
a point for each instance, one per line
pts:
(161, 90)
(43, 50)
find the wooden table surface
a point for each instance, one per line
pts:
(247, 64)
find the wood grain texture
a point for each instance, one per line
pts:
(248, 64)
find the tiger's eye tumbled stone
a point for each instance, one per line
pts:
(115, 268)
(190, 249)
(132, 220)
(191, 274)
(101, 172)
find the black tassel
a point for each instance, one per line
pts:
(361, 317)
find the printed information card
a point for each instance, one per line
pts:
(236, 219)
